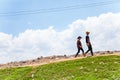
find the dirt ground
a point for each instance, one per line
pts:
(49, 60)
(72, 58)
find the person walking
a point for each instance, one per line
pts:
(79, 46)
(88, 43)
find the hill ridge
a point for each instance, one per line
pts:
(53, 59)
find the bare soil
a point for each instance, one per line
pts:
(54, 59)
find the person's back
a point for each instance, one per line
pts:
(88, 44)
(79, 46)
(78, 43)
(87, 39)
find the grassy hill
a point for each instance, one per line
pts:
(92, 68)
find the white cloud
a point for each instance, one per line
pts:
(105, 30)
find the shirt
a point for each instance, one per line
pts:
(87, 39)
(79, 43)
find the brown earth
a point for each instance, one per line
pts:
(54, 59)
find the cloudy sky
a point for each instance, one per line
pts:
(32, 28)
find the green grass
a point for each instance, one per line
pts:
(93, 68)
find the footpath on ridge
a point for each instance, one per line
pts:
(54, 59)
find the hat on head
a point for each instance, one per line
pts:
(79, 37)
(87, 32)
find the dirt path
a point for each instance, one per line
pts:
(34, 63)
(72, 58)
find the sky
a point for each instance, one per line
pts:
(35, 28)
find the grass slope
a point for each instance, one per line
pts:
(93, 68)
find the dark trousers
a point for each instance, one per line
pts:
(79, 51)
(90, 49)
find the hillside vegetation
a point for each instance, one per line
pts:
(91, 68)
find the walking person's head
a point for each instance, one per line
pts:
(79, 37)
(87, 32)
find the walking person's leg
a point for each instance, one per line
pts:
(83, 52)
(87, 50)
(91, 50)
(77, 52)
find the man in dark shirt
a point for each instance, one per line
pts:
(79, 46)
(88, 43)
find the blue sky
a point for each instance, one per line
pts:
(52, 32)
(19, 23)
